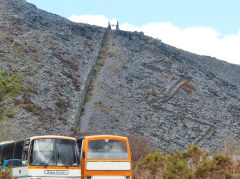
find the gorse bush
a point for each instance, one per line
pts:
(177, 165)
(154, 162)
(6, 173)
(194, 163)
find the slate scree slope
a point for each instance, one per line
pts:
(82, 78)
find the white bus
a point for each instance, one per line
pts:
(42, 157)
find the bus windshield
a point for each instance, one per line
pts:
(107, 149)
(54, 152)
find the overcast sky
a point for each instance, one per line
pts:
(205, 27)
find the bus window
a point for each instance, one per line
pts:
(42, 152)
(7, 152)
(107, 149)
(67, 147)
(54, 152)
(18, 153)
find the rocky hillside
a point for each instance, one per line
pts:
(55, 57)
(77, 77)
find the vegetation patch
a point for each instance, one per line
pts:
(89, 44)
(63, 103)
(103, 51)
(168, 60)
(111, 54)
(30, 106)
(10, 87)
(194, 163)
(104, 108)
(33, 108)
(6, 173)
(154, 93)
(62, 106)
(188, 87)
(100, 62)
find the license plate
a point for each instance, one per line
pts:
(56, 172)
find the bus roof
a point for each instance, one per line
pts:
(105, 137)
(6, 142)
(51, 136)
(38, 137)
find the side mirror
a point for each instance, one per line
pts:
(24, 163)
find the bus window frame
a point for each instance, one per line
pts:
(110, 138)
(52, 166)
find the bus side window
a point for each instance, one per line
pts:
(7, 153)
(18, 153)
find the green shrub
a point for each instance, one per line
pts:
(33, 108)
(10, 112)
(153, 162)
(204, 169)
(10, 85)
(178, 165)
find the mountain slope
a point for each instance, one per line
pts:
(96, 80)
(171, 96)
(55, 56)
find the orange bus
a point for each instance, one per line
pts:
(105, 157)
